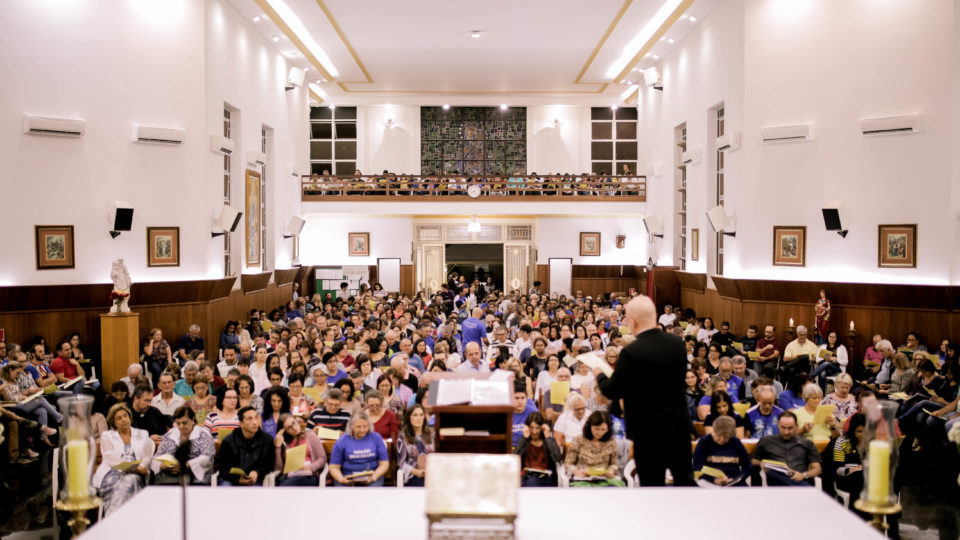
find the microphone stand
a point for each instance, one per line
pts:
(183, 456)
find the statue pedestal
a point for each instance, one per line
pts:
(119, 345)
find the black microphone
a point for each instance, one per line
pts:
(182, 455)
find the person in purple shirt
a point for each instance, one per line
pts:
(473, 328)
(522, 408)
(762, 418)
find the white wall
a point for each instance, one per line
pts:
(247, 72)
(563, 148)
(100, 61)
(780, 62)
(560, 238)
(324, 238)
(393, 147)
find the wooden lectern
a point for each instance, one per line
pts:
(119, 345)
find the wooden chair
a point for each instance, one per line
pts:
(698, 429)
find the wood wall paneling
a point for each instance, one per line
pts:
(407, 285)
(286, 276)
(694, 282)
(543, 276)
(666, 287)
(254, 282)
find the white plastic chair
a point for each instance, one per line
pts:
(563, 479)
(630, 474)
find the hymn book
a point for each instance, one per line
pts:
(126, 466)
(296, 459)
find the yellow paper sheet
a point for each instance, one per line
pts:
(126, 465)
(50, 389)
(296, 459)
(711, 471)
(683, 324)
(900, 395)
(166, 459)
(737, 345)
(823, 412)
(753, 355)
(223, 432)
(596, 471)
(822, 353)
(327, 433)
(314, 393)
(741, 408)
(238, 471)
(624, 330)
(559, 390)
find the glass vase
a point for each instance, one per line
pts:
(78, 448)
(880, 454)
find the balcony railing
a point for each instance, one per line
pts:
(458, 188)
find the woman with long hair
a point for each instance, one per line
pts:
(413, 445)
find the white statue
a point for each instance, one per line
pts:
(120, 296)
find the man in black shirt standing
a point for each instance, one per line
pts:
(649, 377)
(148, 417)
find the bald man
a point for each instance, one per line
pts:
(649, 377)
(473, 329)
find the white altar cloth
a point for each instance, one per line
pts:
(545, 514)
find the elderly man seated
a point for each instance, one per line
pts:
(746, 374)
(570, 423)
(133, 372)
(787, 458)
(551, 410)
(799, 353)
(184, 386)
(723, 452)
(762, 418)
(191, 341)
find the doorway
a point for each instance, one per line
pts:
(476, 261)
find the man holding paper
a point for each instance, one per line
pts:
(649, 377)
(246, 454)
(788, 460)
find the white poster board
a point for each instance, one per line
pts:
(388, 271)
(561, 276)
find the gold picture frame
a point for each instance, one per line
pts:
(252, 223)
(897, 246)
(589, 244)
(358, 244)
(694, 244)
(54, 247)
(790, 245)
(163, 246)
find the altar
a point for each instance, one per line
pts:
(544, 514)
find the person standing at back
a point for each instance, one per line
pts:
(474, 329)
(649, 377)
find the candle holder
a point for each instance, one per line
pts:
(78, 521)
(880, 456)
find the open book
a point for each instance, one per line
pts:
(593, 362)
(70, 383)
(166, 459)
(360, 474)
(126, 466)
(473, 391)
(31, 398)
(778, 466)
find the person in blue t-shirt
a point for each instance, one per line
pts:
(473, 328)
(762, 418)
(722, 451)
(522, 408)
(359, 450)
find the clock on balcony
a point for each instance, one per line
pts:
(473, 191)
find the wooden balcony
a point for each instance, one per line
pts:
(318, 188)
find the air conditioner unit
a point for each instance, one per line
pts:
(294, 78)
(256, 157)
(221, 145)
(728, 141)
(690, 157)
(799, 132)
(890, 124)
(158, 135)
(58, 127)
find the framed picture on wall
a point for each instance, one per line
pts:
(694, 244)
(898, 246)
(359, 243)
(252, 211)
(789, 246)
(54, 246)
(163, 246)
(589, 244)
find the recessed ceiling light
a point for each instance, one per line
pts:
(503, 106)
(318, 81)
(276, 39)
(656, 57)
(670, 40)
(613, 107)
(256, 19)
(306, 69)
(446, 106)
(292, 53)
(475, 34)
(331, 106)
(692, 18)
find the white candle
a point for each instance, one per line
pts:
(791, 322)
(878, 455)
(78, 456)
(851, 326)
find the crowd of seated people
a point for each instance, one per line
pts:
(341, 377)
(387, 183)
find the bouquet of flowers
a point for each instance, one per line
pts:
(117, 297)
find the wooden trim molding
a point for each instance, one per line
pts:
(286, 276)
(254, 282)
(694, 282)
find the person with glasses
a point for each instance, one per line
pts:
(291, 435)
(570, 423)
(539, 453)
(225, 417)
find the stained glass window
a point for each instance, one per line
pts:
(473, 140)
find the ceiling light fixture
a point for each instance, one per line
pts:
(475, 34)
(654, 24)
(656, 57)
(318, 81)
(317, 90)
(503, 106)
(276, 39)
(613, 107)
(446, 106)
(299, 30)
(473, 226)
(331, 106)
(256, 19)
(670, 40)
(692, 18)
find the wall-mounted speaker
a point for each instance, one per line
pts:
(228, 221)
(831, 218)
(120, 217)
(717, 216)
(295, 227)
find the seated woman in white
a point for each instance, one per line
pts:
(122, 444)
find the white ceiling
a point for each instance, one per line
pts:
(421, 51)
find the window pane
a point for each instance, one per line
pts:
(321, 131)
(346, 167)
(320, 113)
(626, 130)
(321, 150)
(627, 113)
(601, 113)
(318, 168)
(601, 150)
(346, 130)
(346, 150)
(345, 113)
(627, 150)
(602, 130)
(631, 167)
(602, 167)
